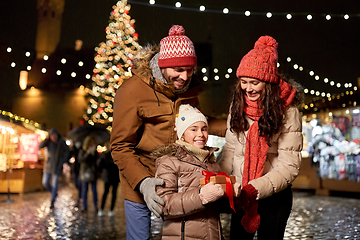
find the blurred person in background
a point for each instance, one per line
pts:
(58, 154)
(88, 156)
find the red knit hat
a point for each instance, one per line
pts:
(177, 50)
(261, 62)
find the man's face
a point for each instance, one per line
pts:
(177, 75)
(54, 137)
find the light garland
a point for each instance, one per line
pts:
(17, 118)
(226, 10)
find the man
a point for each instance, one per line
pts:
(58, 154)
(145, 108)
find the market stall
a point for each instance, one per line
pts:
(20, 165)
(331, 156)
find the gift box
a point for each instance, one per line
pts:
(219, 180)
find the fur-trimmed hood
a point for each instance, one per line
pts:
(299, 97)
(141, 61)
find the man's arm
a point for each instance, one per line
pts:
(126, 124)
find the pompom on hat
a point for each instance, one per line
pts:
(261, 62)
(177, 50)
(186, 117)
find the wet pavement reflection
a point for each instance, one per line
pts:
(29, 216)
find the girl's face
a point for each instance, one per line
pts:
(196, 134)
(252, 87)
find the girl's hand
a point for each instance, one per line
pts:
(211, 192)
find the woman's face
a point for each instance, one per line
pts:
(252, 87)
(196, 134)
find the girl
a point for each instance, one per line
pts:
(190, 212)
(263, 144)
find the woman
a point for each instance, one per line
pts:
(88, 156)
(263, 144)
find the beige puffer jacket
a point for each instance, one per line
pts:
(183, 211)
(283, 159)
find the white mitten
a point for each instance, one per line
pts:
(211, 192)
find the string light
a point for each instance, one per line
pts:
(225, 10)
(16, 118)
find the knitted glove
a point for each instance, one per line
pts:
(148, 189)
(251, 220)
(211, 192)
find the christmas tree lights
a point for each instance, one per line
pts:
(113, 64)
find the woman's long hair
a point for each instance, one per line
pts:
(87, 141)
(271, 105)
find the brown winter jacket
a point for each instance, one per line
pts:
(183, 211)
(144, 118)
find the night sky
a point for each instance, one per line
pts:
(330, 48)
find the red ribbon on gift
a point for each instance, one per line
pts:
(229, 189)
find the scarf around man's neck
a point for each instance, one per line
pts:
(256, 147)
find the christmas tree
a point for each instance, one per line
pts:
(113, 65)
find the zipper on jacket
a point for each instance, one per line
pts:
(152, 83)
(183, 228)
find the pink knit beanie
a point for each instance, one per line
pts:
(261, 62)
(177, 50)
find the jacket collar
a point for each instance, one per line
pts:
(184, 155)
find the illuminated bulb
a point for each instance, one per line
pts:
(46, 57)
(346, 85)
(216, 70)
(43, 70)
(87, 76)
(288, 16)
(301, 68)
(269, 15)
(296, 66)
(328, 17)
(323, 94)
(317, 77)
(58, 72)
(247, 13)
(229, 70)
(350, 85)
(309, 17)
(216, 78)
(81, 63)
(311, 73)
(312, 92)
(63, 61)
(317, 93)
(152, 2)
(306, 90)
(288, 59)
(278, 65)
(338, 85)
(326, 80)
(28, 68)
(332, 83)
(328, 95)
(9, 49)
(205, 78)
(227, 75)
(13, 64)
(225, 10)
(178, 4)
(202, 8)
(27, 54)
(346, 16)
(203, 70)
(73, 74)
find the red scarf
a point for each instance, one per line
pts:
(256, 147)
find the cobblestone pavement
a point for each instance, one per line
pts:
(28, 216)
